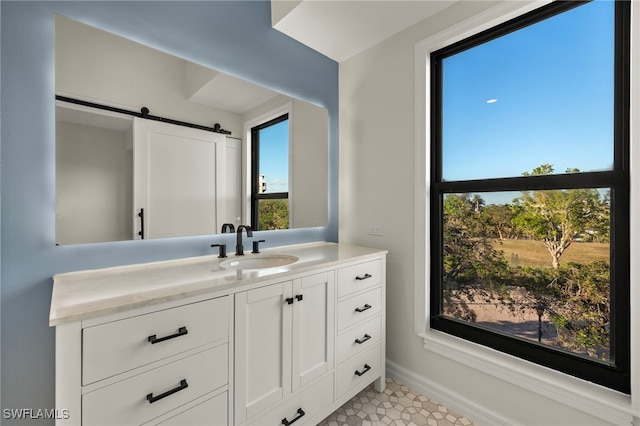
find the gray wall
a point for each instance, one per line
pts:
(235, 37)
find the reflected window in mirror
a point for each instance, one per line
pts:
(270, 174)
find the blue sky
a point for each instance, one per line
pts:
(274, 156)
(550, 93)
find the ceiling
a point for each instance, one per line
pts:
(226, 92)
(340, 29)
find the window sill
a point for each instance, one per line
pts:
(587, 397)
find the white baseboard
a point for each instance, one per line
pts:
(452, 400)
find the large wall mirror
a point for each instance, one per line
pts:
(127, 168)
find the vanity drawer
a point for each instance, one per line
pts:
(359, 277)
(212, 412)
(358, 339)
(311, 401)
(128, 402)
(115, 347)
(359, 370)
(359, 308)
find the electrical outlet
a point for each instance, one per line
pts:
(374, 229)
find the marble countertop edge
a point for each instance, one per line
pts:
(82, 295)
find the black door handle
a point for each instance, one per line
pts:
(141, 216)
(183, 385)
(181, 332)
(364, 339)
(366, 306)
(367, 367)
(286, 422)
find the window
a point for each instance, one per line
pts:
(529, 179)
(270, 175)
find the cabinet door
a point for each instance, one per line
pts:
(179, 174)
(262, 349)
(313, 320)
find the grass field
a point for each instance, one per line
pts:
(535, 253)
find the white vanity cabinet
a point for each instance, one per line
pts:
(360, 330)
(145, 367)
(188, 342)
(284, 341)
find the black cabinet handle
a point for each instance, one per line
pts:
(367, 367)
(181, 332)
(366, 306)
(364, 277)
(289, 300)
(183, 385)
(286, 422)
(299, 297)
(364, 339)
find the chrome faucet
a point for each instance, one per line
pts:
(239, 248)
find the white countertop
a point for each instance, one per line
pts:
(87, 294)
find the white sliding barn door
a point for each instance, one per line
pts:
(179, 174)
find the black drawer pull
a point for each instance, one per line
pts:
(299, 297)
(289, 300)
(181, 332)
(183, 385)
(367, 367)
(366, 306)
(286, 422)
(364, 339)
(364, 277)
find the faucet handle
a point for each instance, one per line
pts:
(223, 250)
(228, 227)
(256, 246)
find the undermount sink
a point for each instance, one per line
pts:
(259, 262)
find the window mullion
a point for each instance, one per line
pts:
(603, 179)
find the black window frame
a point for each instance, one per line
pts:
(256, 196)
(617, 375)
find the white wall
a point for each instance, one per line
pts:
(377, 122)
(93, 184)
(309, 165)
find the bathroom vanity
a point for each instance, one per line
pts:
(277, 338)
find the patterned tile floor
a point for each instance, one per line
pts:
(398, 405)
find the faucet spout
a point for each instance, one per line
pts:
(239, 248)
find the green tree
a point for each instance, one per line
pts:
(583, 314)
(472, 267)
(556, 216)
(273, 214)
(499, 218)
